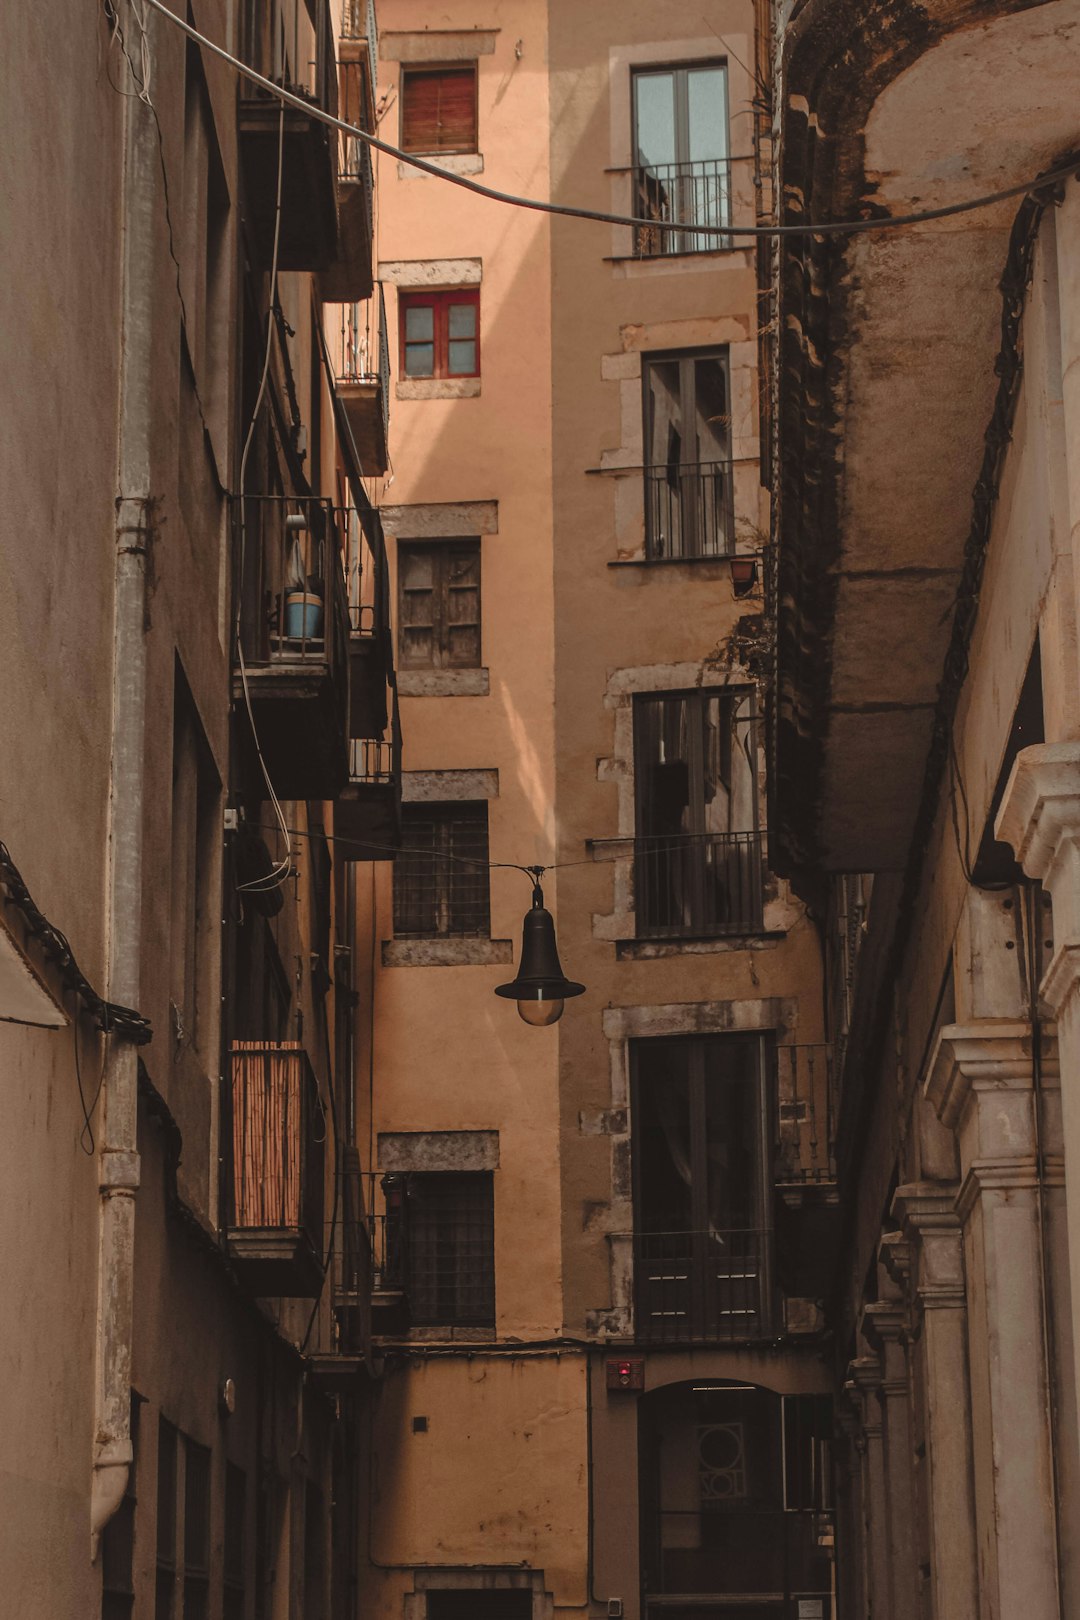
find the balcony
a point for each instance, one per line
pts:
(348, 1241)
(697, 193)
(362, 373)
(370, 648)
(702, 1287)
(270, 131)
(689, 511)
(350, 277)
(360, 43)
(292, 657)
(367, 813)
(806, 1150)
(276, 1203)
(698, 885)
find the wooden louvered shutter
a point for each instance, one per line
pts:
(438, 109)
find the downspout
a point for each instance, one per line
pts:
(118, 1159)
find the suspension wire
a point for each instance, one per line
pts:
(850, 227)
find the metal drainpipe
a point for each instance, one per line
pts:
(118, 1157)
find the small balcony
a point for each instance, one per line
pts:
(370, 645)
(291, 674)
(693, 193)
(698, 885)
(806, 1147)
(271, 131)
(340, 1362)
(689, 511)
(359, 42)
(350, 277)
(367, 813)
(276, 1203)
(702, 1287)
(362, 373)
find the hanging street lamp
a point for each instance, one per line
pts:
(541, 988)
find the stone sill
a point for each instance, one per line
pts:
(447, 952)
(647, 950)
(451, 162)
(437, 388)
(440, 683)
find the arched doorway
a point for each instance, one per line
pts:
(736, 1498)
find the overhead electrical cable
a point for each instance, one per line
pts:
(848, 227)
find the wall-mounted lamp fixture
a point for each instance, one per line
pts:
(744, 574)
(541, 987)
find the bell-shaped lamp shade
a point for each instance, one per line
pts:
(541, 988)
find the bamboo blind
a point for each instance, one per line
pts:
(268, 1133)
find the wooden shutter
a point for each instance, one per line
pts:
(438, 109)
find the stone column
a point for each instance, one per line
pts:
(885, 1324)
(927, 1212)
(1040, 818)
(980, 1081)
(865, 1387)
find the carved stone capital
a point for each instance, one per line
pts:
(1040, 818)
(991, 1055)
(927, 1211)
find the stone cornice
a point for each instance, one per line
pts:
(1062, 978)
(991, 1053)
(927, 1210)
(1008, 1176)
(1041, 804)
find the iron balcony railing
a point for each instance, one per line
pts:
(294, 611)
(702, 1287)
(694, 885)
(278, 1136)
(806, 1115)
(689, 510)
(363, 348)
(358, 22)
(695, 193)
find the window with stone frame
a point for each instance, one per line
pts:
(439, 107)
(440, 333)
(441, 885)
(439, 604)
(450, 1248)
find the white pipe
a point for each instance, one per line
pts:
(118, 1158)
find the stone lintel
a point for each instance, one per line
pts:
(432, 272)
(406, 1151)
(441, 520)
(437, 44)
(434, 787)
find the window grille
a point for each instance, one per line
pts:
(441, 873)
(451, 1249)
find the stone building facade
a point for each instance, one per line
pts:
(925, 723)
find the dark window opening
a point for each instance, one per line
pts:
(439, 604)
(440, 334)
(689, 508)
(702, 1246)
(736, 1500)
(450, 1249)
(438, 108)
(196, 1531)
(118, 1540)
(697, 865)
(233, 1568)
(486, 1605)
(995, 862)
(165, 1580)
(441, 888)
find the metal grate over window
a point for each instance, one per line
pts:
(441, 872)
(451, 1238)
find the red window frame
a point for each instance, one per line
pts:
(440, 304)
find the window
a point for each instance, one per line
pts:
(438, 108)
(233, 1567)
(697, 865)
(439, 604)
(687, 432)
(470, 1604)
(682, 170)
(165, 1589)
(441, 874)
(195, 908)
(118, 1541)
(700, 1135)
(196, 1531)
(450, 1249)
(440, 334)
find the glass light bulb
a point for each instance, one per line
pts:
(540, 1013)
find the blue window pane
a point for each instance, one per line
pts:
(462, 320)
(463, 358)
(420, 360)
(419, 323)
